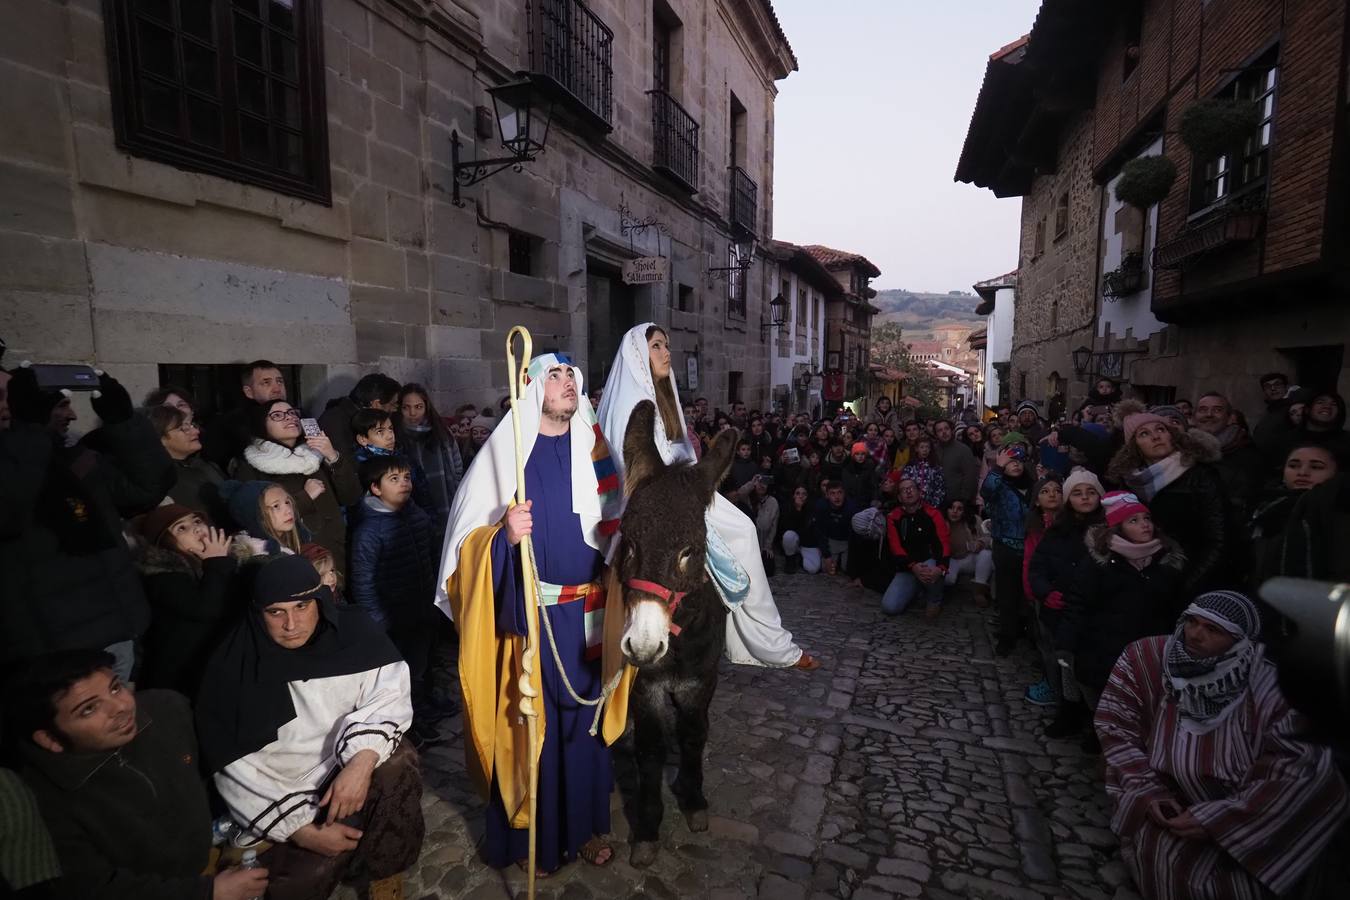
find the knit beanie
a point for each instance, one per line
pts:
(1028, 404)
(158, 520)
(285, 579)
(1167, 411)
(243, 499)
(1120, 505)
(860, 447)
(1014, 437)
(483, 422)
(1079, 476)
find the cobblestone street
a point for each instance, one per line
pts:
(907, 766)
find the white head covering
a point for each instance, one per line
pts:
(490, 484)
(630, 382)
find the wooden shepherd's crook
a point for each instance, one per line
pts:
(530, 658)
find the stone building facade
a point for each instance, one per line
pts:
(799, 341)
(1239, 269)
(848, 318)
(1056, 304)
(347, 254)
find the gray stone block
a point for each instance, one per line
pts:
(375, 304)
(375, 262)
(30, 262)
(407, 220)
(33, 113)
(395, 168)
(45, 326)
(378, 339)
(370, 211)
(37, 201)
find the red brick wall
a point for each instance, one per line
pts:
(1188, 49)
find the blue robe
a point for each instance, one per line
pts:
(576, 775)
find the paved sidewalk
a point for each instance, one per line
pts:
(907, 766)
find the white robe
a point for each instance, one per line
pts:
(274, 791)
(755, 632)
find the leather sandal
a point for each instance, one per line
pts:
(806, 662)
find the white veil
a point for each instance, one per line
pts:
(630, 382)
(490, 484)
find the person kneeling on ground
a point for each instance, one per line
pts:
(301, 715)
(116, 779)
(920, 542)
(1214, 794)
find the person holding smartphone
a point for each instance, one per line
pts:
(320, 480)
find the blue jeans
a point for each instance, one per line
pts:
(903, 588)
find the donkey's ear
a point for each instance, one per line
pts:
(716, 461)
(642, 461)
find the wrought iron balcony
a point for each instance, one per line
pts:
(744, 202)
(572, 51)
(675, 140)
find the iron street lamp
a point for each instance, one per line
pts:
(1082, 359)
(777, 315)
(523, 115)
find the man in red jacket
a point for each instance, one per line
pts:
(920, 543)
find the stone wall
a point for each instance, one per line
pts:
(1055, 302)
(129, 263)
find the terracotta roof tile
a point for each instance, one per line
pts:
(835, 259)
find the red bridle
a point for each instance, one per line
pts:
(670, 598)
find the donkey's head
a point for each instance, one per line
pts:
(664, 538)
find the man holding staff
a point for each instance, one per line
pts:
(488, 586)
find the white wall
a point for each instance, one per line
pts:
(1133, 314)
(999, 349)
(780, 367)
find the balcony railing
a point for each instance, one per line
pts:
(675, 140)
(744, 202)
(571, 48)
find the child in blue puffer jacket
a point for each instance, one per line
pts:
(1006, 501)
(394, 561)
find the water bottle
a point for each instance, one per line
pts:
(249, 860)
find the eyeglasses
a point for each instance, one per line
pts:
(187, 427)
(282, 415)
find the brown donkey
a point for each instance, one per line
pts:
(675, 627)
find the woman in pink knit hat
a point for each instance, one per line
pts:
(1129, 588)
(1175, 475)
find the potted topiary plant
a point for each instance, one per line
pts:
(1145, 181)
(1215, 126)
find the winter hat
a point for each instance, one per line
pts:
(1120, 505)
(1168, 411)
(1079, 476)
(158, 520)
(286, 579)
(860, 447)
(1014, 437)
(1028, 404)
(316, 552)
(243, 499)
(1132, 415)
(483, 422)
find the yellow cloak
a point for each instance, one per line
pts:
(496, 739)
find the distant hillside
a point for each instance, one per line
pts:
(920, 313)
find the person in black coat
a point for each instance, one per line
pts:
(67, 579)
(1050, 576)
(118, 782)
(1174, 473)
(373, 391)
(188, 572)
(1131, 587)
(197, 480)
(395, 557)
(797, 533)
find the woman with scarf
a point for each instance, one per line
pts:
(755, 633)
(1174, 474)
(1213, 794)
(321, 481)
(301, 717)
(427, 442)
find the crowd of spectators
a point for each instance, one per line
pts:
(263, 578)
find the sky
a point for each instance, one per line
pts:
(869, 131)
